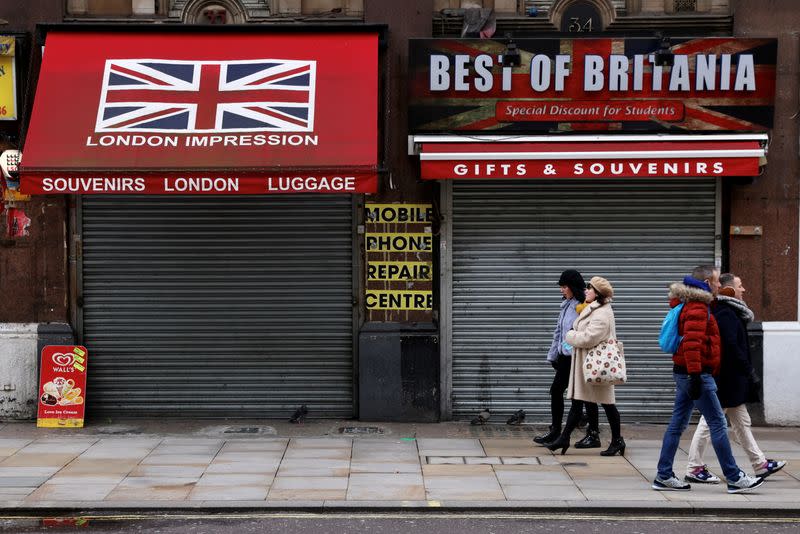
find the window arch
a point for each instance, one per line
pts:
(563, 13)
(214, 12)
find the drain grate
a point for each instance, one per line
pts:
(359, 430)
(575, 464)
(506, 428)
(117, 430)
(243, 430)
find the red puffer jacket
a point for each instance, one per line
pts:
(700, 347)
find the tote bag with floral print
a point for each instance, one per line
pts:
(605, 364)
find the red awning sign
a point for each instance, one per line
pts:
(163, 112)
(590, 160)
(182, 184)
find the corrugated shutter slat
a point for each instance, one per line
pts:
(511, 240)
(218, 307)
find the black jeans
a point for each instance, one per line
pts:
(557, 389)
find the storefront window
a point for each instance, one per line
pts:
(682, 6)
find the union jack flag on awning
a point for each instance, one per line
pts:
(152, 95)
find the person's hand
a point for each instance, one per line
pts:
(695, 387)
(753, 377)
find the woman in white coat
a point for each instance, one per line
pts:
(594, 325)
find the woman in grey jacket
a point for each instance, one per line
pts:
(594, 325)
(572, 291)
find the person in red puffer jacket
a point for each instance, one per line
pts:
(699, 351)
(695, 362)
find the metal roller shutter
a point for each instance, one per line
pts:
(510, 242)
(218, 307)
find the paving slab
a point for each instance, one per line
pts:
(79, 481)
(57, 447)
(514, 492)
(719, 494)
(208, 450)
(9, 446)
(174, 469)
(116, 453)
(167, 471)
(450, 447)
(642, 494)
(60, 492)
(178, 459)
(510, 447)
(308, 488)
(314, 453)
(243, 467)
(212, 479)
(15, 482)
(321, 443)
(152, 488)
(249, 456)
(263, 445)
(229, 493)
(192, 441)
(23, 459)
(89, 466)
(318, 467)
(28, 471)
(388, 466)
(464, 487)
(532, 477)
(392, 487)
(457, 470)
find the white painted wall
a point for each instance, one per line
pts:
(781, 372)
(18, 371)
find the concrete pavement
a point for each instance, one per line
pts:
(336, 465)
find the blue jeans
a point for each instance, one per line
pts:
(708, 405)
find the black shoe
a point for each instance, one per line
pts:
(590, 441)
(583, 421)
(481, 419)
(516, 419)
(617, 446)
(561, 443)
(544, 439)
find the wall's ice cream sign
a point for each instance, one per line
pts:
(62, 386)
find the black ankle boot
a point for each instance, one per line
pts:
(617, 446)
(547, 438)
(590, 441)
(561, 443)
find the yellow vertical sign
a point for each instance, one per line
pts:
(8, 79)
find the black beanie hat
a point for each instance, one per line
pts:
(574, 281)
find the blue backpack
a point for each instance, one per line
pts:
(669, 340)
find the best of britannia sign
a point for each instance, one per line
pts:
(614, 85)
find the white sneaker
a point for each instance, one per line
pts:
(769, 467)
(670, 484)
(745, 483)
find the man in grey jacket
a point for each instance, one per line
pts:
(572, 285)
